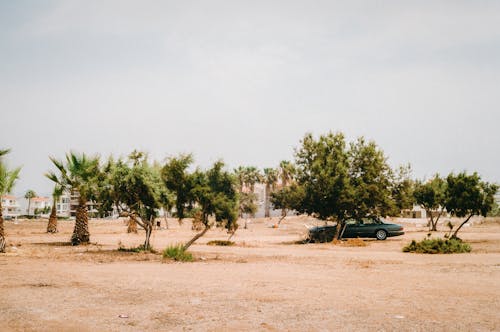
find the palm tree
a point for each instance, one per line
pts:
(7, 181)
(52, 224)
(270, 179)
(29, 195)
(80, 176)
(286, 174)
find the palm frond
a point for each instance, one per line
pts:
(12, 177)
(4, 152)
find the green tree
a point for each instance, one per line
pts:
(215, 196)
(246, 178)
(402, 189)
(52, 224)
(80, 174)
(370, 186)
(8, 178)
(467, 196)
(136, 190)
(336, 182)
(270, 180)
(29, 195)
(431, 196)
(179, 181)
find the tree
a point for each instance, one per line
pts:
(29, 195)
(402, 189)
(136, 190)
(270, 179)
(334, 182)
(431, 196)
(286, 172)
(215, 196)
(467, 195)
(370, 186)
(52, 224)
(8, 178)
(80, 175)
(177, 180)
(246, 178)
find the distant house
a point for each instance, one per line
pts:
(416, 212)
(10, 206)
(73, 205)
(63, 205)
(39, 204)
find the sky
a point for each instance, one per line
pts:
(246, 80)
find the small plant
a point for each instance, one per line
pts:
(438, 246)
(177, 253)
(220, 243)
(140, 248)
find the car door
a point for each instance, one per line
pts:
(351, 229)
(369, 227)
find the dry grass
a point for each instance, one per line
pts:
(354, 243)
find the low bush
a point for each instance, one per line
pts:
(177, 253)
(135, 249)
(438, 246)
(220, 243)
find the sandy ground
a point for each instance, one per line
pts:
(265, 282)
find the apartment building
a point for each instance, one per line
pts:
(10, 206)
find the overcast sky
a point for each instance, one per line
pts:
(245, 80)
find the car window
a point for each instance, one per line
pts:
(351, 222)
(370, 221)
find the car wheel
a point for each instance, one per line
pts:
(381, 234)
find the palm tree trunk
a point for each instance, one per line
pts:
(29, 203)
(81, 230)
(2, 235)
(52, 225)
(267, 209)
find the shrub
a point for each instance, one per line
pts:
(220, 243)
(177, 253)
(438, 246)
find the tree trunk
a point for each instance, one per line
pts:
(149, 229)
(52, 225)
(339, 230)
(29, 203)
(267, 206)
(430, 224)
(81, 230)
(2, 235)
(131, 226)
(434, 224)
(281, 219)
(465, 221)
(166, 220)
(196, 237)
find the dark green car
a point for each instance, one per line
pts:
(365, 227)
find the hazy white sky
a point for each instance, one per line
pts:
(245, 80)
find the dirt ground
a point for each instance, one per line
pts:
(266, 282)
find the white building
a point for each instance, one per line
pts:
(63, 205)
(38, 204)
(10, 206)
